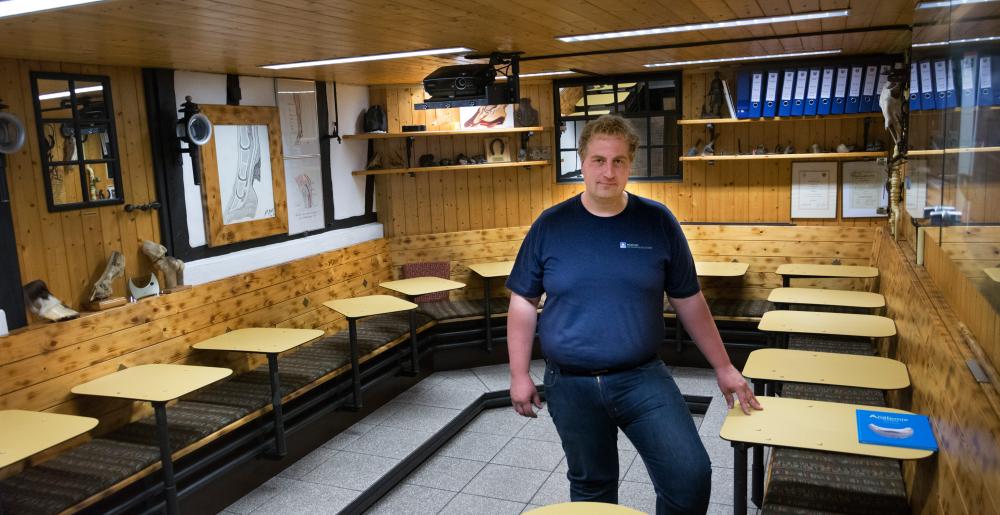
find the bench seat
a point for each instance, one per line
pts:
(731, 308)
(454, 309)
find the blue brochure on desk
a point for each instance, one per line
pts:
(895, 429)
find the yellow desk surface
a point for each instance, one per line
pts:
(827, 270)
(154, 383)
(822, 297)
(838, 324)
(496, 269)
(422, 285)
(993, 273)
(583, 508)
(26, 433)
(800, 366)
(720, 268)
(260, 339)
(369, 305)
(804, 424)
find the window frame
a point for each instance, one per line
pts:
(648, 115)
(113, 158)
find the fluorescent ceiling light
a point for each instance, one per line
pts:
(65, 94)
(363, 58)
(745, 58)
(16, 7)
(957, 41)
(819, 15)
(545, 74)
(949, 3)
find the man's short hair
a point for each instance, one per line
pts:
(609, 125)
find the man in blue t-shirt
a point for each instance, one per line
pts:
(604, 259)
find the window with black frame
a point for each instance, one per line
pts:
(76, 132)
(650, 102)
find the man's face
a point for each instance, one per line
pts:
(606, 166)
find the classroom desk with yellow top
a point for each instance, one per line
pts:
(782, 297)
(26, 433)
(366, 306)
(158, 384)
(489, 271)
(800, 424)
(269, 341)
(789, 271)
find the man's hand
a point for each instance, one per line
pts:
(731, 382)
(523, 395)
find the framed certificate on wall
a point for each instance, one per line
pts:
(814, 190)
(864, 190)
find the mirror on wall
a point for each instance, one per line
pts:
(77, 140)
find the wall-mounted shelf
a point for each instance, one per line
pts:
(955, 110)
(822, 155)
(473, 132)
(950, 151)
(823, 118)
(389, 171)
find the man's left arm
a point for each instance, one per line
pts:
(693, 312)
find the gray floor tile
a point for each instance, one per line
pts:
(301, 497)
(440, 396)
(351, 470)
(723, 509)
(720, 451)
(495, 377)
(474, 446)
(348, 435)
(382, 413)
(389, 442)
(714, 417)
(411, 500)
(498, 421)
(541, 428)
(465, 504)
(420, 418)
(530, 454)
(698, 419)
(624, 444)
(722, 486)
(446, 473)
(260, 495)
(460, 379)
(625, 460)
(639, 496)
(530, 507)
(554, 490)
(538, 370)
(509, 483)
(308, 463)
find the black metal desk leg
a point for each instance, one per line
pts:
(786, 281)
(169, 485)
(739, 478)
(489, 315)
(414, 354)
(352, 328)
(280, 449)
(757, 493)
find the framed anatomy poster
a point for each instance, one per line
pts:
(244, 178)
(814, 190)
(864, 190)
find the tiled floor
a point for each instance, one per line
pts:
(500, 463)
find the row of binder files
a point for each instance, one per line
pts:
(855, 88)
(933, 86)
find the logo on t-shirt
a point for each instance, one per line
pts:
(627, 245)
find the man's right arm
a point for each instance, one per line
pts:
(522, 316)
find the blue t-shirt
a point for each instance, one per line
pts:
(604, 279)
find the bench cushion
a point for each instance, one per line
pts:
(449, 309)
(187, 422)
(840, 483)
(748, 308)
(829, 393)
(835, 344)
(440, 269)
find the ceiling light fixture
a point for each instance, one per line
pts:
(546, 74)
(957, 41)
(819, 15)
(949, 3)
(363, 58)
(16, 7)
(745, 58)
(65, 94)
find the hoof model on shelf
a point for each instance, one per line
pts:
(114, 268)
(42, 303)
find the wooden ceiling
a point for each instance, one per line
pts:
(236, 36)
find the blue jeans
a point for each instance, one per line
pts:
(646, 404)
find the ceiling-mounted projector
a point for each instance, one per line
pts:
(470, 85)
